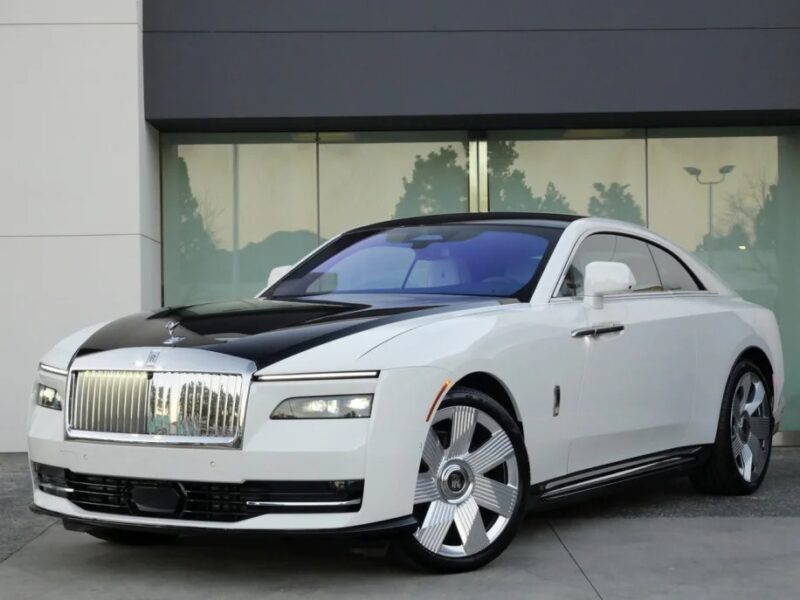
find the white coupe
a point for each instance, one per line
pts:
(429, 378)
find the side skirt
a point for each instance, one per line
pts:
(591, 481)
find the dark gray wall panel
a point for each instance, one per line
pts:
(312, 78)
(455, 15)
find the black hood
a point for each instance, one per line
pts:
(266, 331)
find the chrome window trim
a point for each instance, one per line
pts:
(639, 295)
(335, 375)
(554, 293)
(53, 370)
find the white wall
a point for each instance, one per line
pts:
(79, 198)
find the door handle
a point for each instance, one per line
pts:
(597, 330)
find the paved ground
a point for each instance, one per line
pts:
(655, 541)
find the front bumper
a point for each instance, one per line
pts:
(387, 528)
(382, 451)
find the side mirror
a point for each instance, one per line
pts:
(277, 273)
(606, 278)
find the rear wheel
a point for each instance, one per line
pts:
(471, 485)
(741, 452)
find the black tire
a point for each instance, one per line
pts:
(129, 537)
(720, 474)
(414, 554)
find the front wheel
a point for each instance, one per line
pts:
(471, 486)
(740, 455)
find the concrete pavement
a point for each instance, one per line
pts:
(657, 540)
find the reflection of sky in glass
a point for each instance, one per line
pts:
(679, 205)
(277, 188)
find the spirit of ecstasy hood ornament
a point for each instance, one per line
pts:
(172, 339)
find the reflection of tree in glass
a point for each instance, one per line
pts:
(279, 248)
(736, 237)
(508, 189)
(765, 223)
(195, 268)
(745, 255)
(753, 209)
(615, 202)
(436, 185)
(190, 252)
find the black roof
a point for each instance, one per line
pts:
(542, 218)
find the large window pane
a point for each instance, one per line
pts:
(371, 177)
(233, 208)
(733, 198)
(598, 173)
(236, 205)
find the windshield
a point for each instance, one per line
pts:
(463, 259)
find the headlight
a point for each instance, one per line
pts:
(325, 407)
(48, 397)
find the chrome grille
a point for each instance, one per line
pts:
(173, 406)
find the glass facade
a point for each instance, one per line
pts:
(232, 209)
(234, 206)
(598, 173)
(371, 177)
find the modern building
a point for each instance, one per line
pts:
(173, 151)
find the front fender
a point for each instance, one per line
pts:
(396, 438)
(446, 343)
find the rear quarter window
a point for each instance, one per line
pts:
(675, 277)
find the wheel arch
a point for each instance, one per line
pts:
(491, 385)
(760, 358)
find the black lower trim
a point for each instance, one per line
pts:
(540, 120)
(591, 481)
(198, 501)
(390, 527)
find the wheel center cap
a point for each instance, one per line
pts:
(455, 481)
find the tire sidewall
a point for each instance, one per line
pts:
(723, 442)
(422, 557)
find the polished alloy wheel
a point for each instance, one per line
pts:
(468, 484)
(751, 429)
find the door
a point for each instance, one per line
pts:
(638, 384)
(542, 360)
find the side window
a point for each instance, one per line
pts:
(635, 254)
(674, 276)
(616, 248)
(596, 247)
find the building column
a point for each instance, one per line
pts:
(80, 238)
